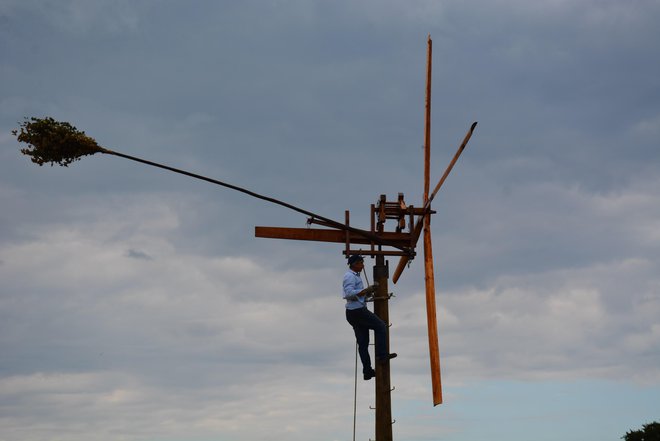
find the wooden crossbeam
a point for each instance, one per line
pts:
(397, 240)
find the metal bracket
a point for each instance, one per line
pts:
(389, 296)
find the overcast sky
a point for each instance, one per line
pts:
(136, 304)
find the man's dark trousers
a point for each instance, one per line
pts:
(362, 320)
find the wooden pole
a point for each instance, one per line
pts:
(329, 222)
(427, 121)
(383, 389)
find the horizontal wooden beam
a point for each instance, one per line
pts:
(374, 253)
(326, 235)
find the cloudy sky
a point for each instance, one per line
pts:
(136, 304)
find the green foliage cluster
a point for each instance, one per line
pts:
(649, 432)
(54, 141)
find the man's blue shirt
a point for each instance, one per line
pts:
(352, 285)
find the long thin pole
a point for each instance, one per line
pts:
(330, 222)
(355, 391)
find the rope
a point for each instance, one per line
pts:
(355, 391)
(365, 277)
(356, 373)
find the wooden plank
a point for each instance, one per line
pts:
(431, 318)
(406, 258)
(373, 253)
(325, 235)
(427, 202)
(427, 123)
(429, 276)
(466, 139)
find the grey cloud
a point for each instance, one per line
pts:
(137, 254)
(545, 237)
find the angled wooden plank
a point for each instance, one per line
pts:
(405, 259)
(427, 203)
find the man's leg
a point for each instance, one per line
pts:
(362, 337)
(370, 320)
(355, 318)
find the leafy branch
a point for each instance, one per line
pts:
(51, 141)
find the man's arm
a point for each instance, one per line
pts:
(351, 291)
(369, 290)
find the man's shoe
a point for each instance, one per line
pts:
(388, 357)
(369, 375)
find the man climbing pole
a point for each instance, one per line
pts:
(361, 319)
